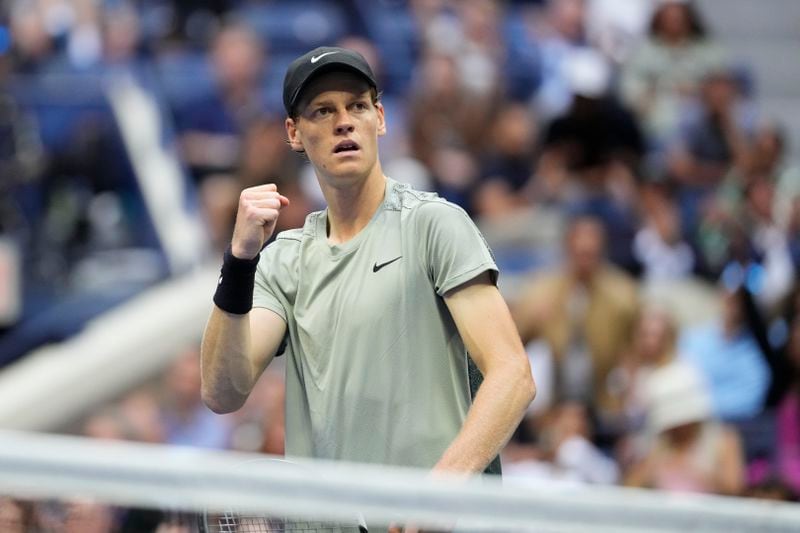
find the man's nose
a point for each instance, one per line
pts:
(344, 124)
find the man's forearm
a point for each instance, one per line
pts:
(227, 369)
(496, 411)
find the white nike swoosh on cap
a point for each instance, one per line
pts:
(314, 59)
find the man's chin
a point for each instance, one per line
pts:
(347, 172)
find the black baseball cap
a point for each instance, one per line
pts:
(317, 61)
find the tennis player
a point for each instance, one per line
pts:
(376, 301)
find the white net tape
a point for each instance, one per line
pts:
(127, 474)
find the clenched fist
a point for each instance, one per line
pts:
(258, 212)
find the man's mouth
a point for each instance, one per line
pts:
(346, 146)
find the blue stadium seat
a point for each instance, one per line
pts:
(184, 77)
(296, 27)
(393, 30)
(59, 101)
(522, 71)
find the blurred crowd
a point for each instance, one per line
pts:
(645, 216)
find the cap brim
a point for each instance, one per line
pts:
(324, 69)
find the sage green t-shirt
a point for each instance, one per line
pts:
(376, 371)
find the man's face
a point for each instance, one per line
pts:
(337, 126)
(586, 244)
(654, 334)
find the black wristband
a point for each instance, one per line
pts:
(235, 287)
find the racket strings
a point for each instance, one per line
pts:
(238, 523)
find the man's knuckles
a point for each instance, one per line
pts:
(255, 196)
(260, 203)
(260, 215)
(260, 188)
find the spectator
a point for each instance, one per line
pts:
(32, 45)
(21, 163)
(748, 221)
(88, 517)
(730, 360)
(483, 47)
(594, 126)
(442, 112)
(784, 467)
(599, 144)
(107, 424)
(688, 450)
(668, 67)
(770, 490)
(141, 413)
(768, 244)
(191, 20)
(770, 147)
(447, 126)
(560, 34)
(564, 454)
(85, 235)
(121, 32)
(186, 420)
(659, 246)
(653, 346)
(211, 127)
(227, 137)
(615, 28)
(259, 425)
(15, 516)
(77, 25)
(136, 417)
(508, 163)
(262, 158)
(585, 312)
(715, 133)
(714, 139)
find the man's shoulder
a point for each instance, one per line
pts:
(420, 204)
(291, 239)
(304, 232)
(280, 258)
(404, 196)
(288, 237)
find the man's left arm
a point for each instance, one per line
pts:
(489, 334)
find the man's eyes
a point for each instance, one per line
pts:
(325, 111)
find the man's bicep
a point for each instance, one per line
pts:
(267, 332)
(484, 322)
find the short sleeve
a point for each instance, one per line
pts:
(452, 246)
(267, 288)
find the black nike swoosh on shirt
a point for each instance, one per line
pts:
(377, 267)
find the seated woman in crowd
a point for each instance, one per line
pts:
(685, 449)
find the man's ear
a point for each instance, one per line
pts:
(381, 119)
(294, 135)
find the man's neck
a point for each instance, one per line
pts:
(351, 208)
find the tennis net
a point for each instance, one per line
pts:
(224, 488)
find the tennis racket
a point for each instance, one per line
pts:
(231, 520)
